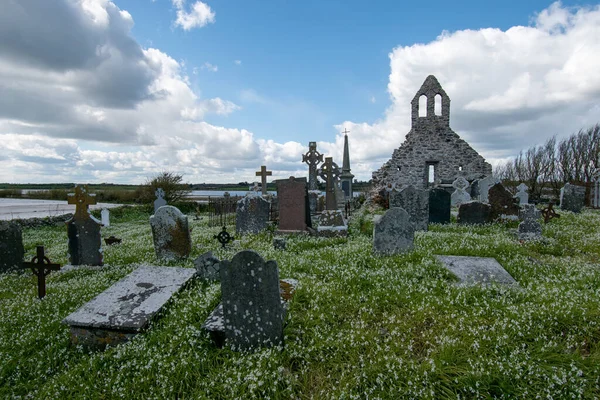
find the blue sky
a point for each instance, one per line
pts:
(115, 91)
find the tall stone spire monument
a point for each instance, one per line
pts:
(346, 176)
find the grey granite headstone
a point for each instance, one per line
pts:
(252, 215)
(171, 233)
(529, 211)
(207, 266)
(393, 232)
(482, 270)
(439, 206)
(529, 229)
(501, 202)
(416, 203)
(522, 194)
(126, 308)
(252, 306)
(484, 186)
(473, 212)
(332, 223)
(474, 189)
(572, 198)
(11, 246)
(105, 217)
(160, 199)
(460, 195)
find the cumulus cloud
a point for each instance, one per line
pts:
(208, 66)
(199, 15)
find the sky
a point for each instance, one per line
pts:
(95, 91)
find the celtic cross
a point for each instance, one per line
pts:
(330, 172)
(41, 266)
(312, 158)
(82, 200)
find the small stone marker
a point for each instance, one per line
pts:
(41, 266)
(291, 194)
(522, 194)
(83, 230)
(473, 212)
(171, 233)
(125, 309)
(252, 215)
(572, 198)
(332, 223)
(224, 237)
(160, 199)
(252, 306)
(501, 202)
(460, 194)
(393, 232)
(484, 270)
(416, 203)
(112, 240)
(11, 246)
(279, 243)
(439, 206)
(105, 217)
(263, 173)
(207, 266)
(549, 213)
(484, 187)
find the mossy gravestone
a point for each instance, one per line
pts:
(572, 198)
(171, 233)
(252, 215)
(393, 233)
(11, 246)
(501, 202)
(416, 203)
(473, 212)
(83, 230)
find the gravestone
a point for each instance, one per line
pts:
(11, 246)
(484, 186)
(393, 232)
(529, 229)
(416, 203)
(105, 217)
(474, 189)
(460, 194)
(171, 233)
(522, 194)
(529, 211)
(263, 173)
(279, 243)
(83, 230)
(291, 194)
(596, 189)
(160, 199)
(252, 215)
(501, 202)
(439, 206)
(125, 309)
(208, 266)
(572, 198)
(473, 212)
(252, 306)
(312, 158)
(41, 266)
(330, 173)
(478, 270)
(331, 220)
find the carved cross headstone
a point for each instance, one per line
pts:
(312, 158)
(83, 230)
(330, 172)
(160, 199)
(263, 173)
(522, 194)
(460, 194)
(82, 201)
(223, 237)
(41, 266)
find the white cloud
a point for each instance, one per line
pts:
(238, 62)
(208, 66)
(200, 15)
(372, 99)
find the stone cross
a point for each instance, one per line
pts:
(224, 237)
(263, 173)
(330, 172)
(312, 158)
(82, 201)
(160, 199)
(41, 266)
(548, 213)
(522, 194)
(460, 195)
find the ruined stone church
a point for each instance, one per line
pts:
(432, 154)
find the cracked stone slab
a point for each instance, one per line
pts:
(482, 270)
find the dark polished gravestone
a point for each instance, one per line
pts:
(501, 202)
(415, 202)
(125, 309)
(482, 270)
(83, 230)
(439, 206)
(252, 215)
(293, 210)
(572, 198)
(171, 233)
(11, 246)
(473, 212)
(393, 232)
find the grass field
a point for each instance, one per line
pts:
(358, 327)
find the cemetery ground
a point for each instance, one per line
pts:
(359, 326)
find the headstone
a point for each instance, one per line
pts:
(312, 158)
(279, 243)
(330, 172)
(252, 215)
(529, 211)
(484, 186)
(224, 237)
(501, 202)
(393, 232)
(332, 223)
(263, 173)
(522, 194)
(460, 194)
(482, 270)
(252, 306)
(125, 309)
(340, 197)
(83, 230)
(474, 189)
(207, 266)
(41, 266)
(572, 198)
(160, 199)
(439, 206)
(11, 246)
(105, 217)
(171, 234)
(473, 212)
(292, 204)
(416, 203)
(596, 189)
(529, 229)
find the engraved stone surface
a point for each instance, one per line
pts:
(207, 266)
(83, 230)
(572, 198)
(529, 229)
(416, 203)
(160, 199)
(529, 211)
(171, 233)
(484, 270)
(522, 194)
(501, 202)
(484, 187)
(252, 215)
(473, 212)
(393, 232)
(439, 206)
(11, 246)
(332, 223)
(460, 194)
(312, 158)
(291, 194)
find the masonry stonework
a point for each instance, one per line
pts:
(431, 148)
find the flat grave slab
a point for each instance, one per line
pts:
(126, 308)
(470, 270)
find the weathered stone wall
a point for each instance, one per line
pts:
(431, 141)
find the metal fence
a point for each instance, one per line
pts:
(221, 210)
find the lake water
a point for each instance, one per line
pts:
(27, 208)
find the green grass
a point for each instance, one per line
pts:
(358, 327)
